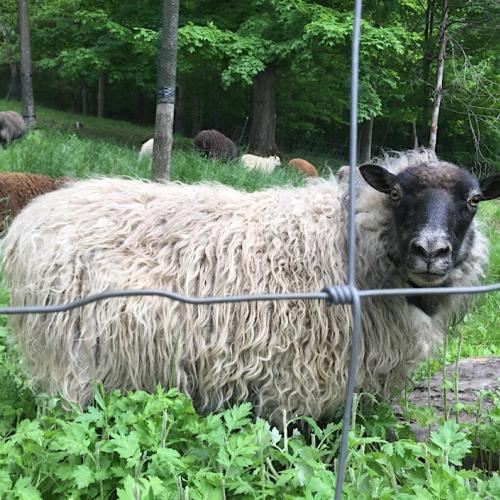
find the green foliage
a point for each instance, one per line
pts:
(157, 446)
(222, 47)
(293, 32)
(78, 40)
(471, 103)
(479, 333)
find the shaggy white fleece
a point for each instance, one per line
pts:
(213, 240)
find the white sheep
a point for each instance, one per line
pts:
(254, 162)
(146, 150)
(213, 240)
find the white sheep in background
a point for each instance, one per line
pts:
(214, 240)
(146, 150)
(254, 162)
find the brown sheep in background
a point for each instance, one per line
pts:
(17, 189)
(12, 126)
(214, 144)
(304, 167)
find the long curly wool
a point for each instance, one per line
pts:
(214, 240)
(17, 189)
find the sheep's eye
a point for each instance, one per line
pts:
(474, 201)
(395, 194)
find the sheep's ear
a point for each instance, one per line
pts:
(378, 178)
(490, 187)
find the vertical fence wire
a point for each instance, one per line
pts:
(356, 302)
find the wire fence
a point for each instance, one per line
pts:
(332, 295)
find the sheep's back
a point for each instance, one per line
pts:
(215, 144)
(17, 189)
(198, 240)
(303, 166)
(12, 125)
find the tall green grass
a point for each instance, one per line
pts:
(56, 153)
(113, 131)
(132, 135)
(479, 333)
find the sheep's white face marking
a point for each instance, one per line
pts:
(433, 207)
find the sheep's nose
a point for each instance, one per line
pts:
(430, 249)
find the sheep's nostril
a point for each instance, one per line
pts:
(418, 249)
(430, 250)
(442, 252)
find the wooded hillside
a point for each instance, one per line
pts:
(275, 73)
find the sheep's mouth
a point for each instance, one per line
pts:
(427, 279)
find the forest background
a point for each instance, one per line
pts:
(274, 74)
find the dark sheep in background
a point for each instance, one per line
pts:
(17, 189)
(215, 145)
(304, 167)
(12, 126)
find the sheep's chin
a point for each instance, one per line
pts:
(427, 280)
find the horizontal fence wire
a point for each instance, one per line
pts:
(332, 295)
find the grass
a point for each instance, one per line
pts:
(113, 131)
(138, 445)
(121, 133)
(479, 333)
(56, 153)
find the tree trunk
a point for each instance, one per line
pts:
(101, 88)
(140, 104)
(180, 107)
(414, 135)
(196, 114)
(74, 101)
(426, 62)
(84, 99)
(216, 103)
(14, 87)
(263, 124)
(365, 141)
(165, 101)
(26, 77)
(438, 93)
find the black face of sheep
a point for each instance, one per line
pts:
(433, 209)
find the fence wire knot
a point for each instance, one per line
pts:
(339, 294)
